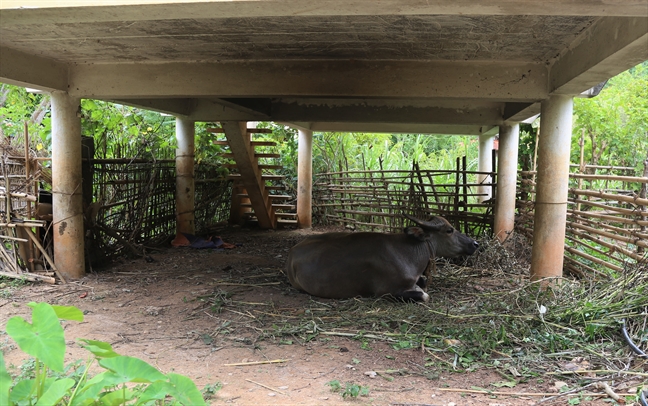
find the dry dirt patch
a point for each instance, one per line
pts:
(193, 311)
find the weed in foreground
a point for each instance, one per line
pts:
(45, 380)
(350, 390)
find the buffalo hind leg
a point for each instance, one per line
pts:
(415, 294)
(422, 282)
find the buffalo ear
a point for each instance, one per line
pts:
(416, 232)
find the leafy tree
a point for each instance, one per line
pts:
(614, 123)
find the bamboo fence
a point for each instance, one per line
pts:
(607, 220)
(129, 205)
(135, 204)
(377, 199)
(25, 247)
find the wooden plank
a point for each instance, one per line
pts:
(237, 176)
(280, 214)
(260, 155)
(284, 206)
(250, 175)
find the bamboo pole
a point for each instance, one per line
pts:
(628, 199)
(610, 218)
(617, 237)
(631, 179)
(615, 247)
(611, 168)
(642, 208)
(619, 210)
(593, 259)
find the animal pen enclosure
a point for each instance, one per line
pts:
(133, 207)
(377, 199)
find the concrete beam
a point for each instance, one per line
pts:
(67, 195)
(175, 107)
(387, 111)
(143, 10)
(494, 81)
(391, 128)
(608, 47)
(21, 69)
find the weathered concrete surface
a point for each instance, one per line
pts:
(486, 142)
(305, 179)
(67, 196)
(185, 186)
(506, 181)
(552, 186)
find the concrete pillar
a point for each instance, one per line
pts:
(305, 179)
(506, 180)
(67, 194)
(551, 188)
(485, 165)
(185, 187)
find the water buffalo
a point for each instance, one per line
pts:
(345, 265)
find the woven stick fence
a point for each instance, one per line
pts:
(607, 219)
(376, 199)
(25, 247)
(135, 204)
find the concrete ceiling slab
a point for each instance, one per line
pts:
(393, 62)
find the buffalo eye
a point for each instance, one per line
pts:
(450, 230)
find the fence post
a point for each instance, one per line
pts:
(642, 209)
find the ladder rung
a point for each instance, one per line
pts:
(236, 176)
(286, 221)
(262, 155)
(262, 167)
(284, 206)
(263, 143)
(293, 215)
(280, 197)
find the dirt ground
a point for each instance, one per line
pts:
(157, 312)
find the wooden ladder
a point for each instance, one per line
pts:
(256, 191)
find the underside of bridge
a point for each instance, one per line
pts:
(444, 67)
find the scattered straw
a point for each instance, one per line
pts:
(243, 364)
(268, 387)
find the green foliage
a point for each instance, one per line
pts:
(614, 123)
(18, 106)
(350, 390)
(368, 151)
(44, 340)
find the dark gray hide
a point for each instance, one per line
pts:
(344, 265)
